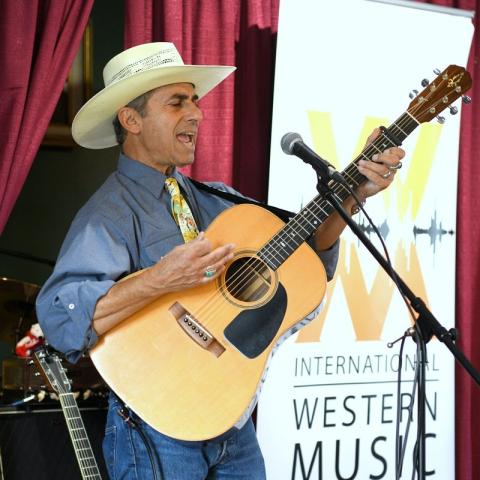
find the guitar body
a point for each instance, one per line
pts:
(190, 362)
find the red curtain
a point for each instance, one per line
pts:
(468, 264)
(231, 32)
(38, 41)
(236, 143)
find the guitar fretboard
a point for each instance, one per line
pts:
(302, 226)
(78, 434)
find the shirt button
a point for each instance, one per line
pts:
(71, 306)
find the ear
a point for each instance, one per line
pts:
(130, 120)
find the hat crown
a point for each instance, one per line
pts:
(139, 59)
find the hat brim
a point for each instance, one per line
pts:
(92, 126)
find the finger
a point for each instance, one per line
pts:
(377, 173)
(376, 132)
(211, 272)
(219, 256)
(391, 156)
(376, 167)
(200, 246)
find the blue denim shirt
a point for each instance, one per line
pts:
(125, 226)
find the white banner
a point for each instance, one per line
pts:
(328, 407)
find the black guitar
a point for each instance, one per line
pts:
(52, 369)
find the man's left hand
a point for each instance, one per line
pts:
(381, 171)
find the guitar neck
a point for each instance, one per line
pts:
(81, 443)
(302, 225)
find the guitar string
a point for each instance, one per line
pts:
(87, 461)
(354, 175)
(379, 150)
(77, 438)
(76, 422)
(315, 209)
(397, 124)
(301, 221)
(279, 247)
(244, 276)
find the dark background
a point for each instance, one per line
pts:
(35, 443)
(61, 179)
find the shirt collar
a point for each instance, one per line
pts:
(148, 177)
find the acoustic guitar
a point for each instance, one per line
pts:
(190, 362)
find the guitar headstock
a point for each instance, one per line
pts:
(449, 85)
(52, 370)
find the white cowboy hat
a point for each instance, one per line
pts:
(130, 74)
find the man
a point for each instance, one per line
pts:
(150, 106)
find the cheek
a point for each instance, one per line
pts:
(159, 135)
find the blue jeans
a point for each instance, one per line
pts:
(234, 455)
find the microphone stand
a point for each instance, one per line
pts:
(426, 324)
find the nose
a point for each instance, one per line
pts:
(194, 112)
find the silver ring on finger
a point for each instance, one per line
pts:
(209, 272)
(398, 166)
(387, 174)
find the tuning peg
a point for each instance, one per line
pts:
(425, 82)
(440, 119)
(453, 110)
(466, 99)
(413, 93)
(436, 71)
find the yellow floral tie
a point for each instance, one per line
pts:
(181, 211)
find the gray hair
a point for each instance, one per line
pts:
(139, 104)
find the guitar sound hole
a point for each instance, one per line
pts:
(248, 279)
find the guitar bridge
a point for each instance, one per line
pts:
(194, 329)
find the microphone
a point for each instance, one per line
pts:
(292, 144)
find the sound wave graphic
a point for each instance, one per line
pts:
(435, 231)
(368, 229)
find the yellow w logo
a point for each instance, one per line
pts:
(368, 308)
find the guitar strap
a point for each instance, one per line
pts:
(285, 215)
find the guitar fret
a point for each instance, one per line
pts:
(79, 437)
(79, 440)
(86, 460)
(303, 225)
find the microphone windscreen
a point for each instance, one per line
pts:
(288, 142)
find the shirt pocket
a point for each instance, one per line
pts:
(158, 244)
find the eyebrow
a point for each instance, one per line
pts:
(182, 96)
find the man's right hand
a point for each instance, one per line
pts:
(186, 265)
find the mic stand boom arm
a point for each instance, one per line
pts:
(426, 324)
